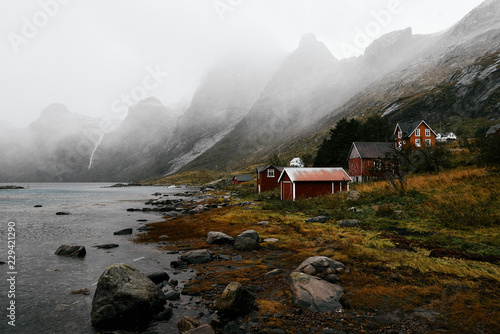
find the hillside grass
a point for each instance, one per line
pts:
(437, 248)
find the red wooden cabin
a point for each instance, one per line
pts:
(415, 134)
(267, 178)
(312, 182)
(365, 158)
(239, 179)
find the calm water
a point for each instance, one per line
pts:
(44, 280)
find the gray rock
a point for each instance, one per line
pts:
(235, 301)
(319, 219)
(315, 294)
(249, 234)
(124, 231)
(62, 213)
(197, 256)
(354, 195)
(173, 295)
(348, 223)
(187, 323)
(204, 329)
(322, 267)
(71, 251)
(107, 246)
(273, 273)
(159, 277)
(164, 315)
(271, 240)
(265, 222)
(125, 298)
(244, 244)
(219, 238)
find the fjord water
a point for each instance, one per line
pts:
(44, 280)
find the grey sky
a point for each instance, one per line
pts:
(93, 55)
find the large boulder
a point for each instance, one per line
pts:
(235, 301)
(197, 256)
(71, 251)
(250, 234)
(187, 323)
(219, 238)
(315, 294)
(322, 267)
(125, 298)
(204, 329)
(348, 223)
(125, 231)
(159, 277)
(318, 219)
(245, 244)
(354, 195)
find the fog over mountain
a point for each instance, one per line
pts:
(259, 99)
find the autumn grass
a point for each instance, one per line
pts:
(385, 274)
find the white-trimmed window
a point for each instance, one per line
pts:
(428, 142)
(418, 143)
(400, 134)
(270, 173)
(417, 132)
(427, 132)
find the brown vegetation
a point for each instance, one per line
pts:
(429, 255)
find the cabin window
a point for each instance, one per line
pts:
(417, 132)
(418, 143)
(377, 164)
(428, 142)
(270, 173)
(427, 132)
(400, 134)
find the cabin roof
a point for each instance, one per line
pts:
(315, 174)
(243, 178)
(263, 168)
(409, 128)
(372, 150)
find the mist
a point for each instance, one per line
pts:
(97, 58)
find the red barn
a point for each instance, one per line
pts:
(365, 157)
(239, 179)
(267, 177)
(312, 182)
(415, 134)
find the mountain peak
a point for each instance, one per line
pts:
(483, 18)
(309, 46)
(308, 40)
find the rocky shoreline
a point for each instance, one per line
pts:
(227, 306)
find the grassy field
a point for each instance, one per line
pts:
(436, 249)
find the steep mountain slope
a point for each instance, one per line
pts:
(55, 147)
(132, 151)
(300, 90)
(396, 65)
(264, 101)
(224, 97)
(473, 92)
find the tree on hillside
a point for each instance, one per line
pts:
(334, 150)
(396, 166)
(487, 150)
(431, 159)
(376, 129)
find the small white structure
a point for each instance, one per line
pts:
(297, 162)
(442, 137)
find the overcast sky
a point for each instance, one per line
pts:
(97, 56)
